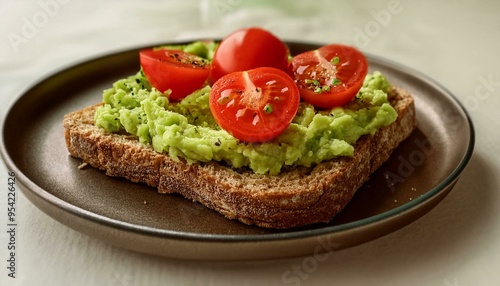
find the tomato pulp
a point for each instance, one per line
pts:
(176, 70)
(329, 76)
(255, 105)
(247, 49)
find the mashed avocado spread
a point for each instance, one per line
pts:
(187, 129)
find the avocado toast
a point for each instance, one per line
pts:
(304, 175)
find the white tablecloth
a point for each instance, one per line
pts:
(455, 42)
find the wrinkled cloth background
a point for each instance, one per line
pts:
(456, 42)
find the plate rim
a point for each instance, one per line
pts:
(207, 237)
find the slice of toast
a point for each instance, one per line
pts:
(296, 197)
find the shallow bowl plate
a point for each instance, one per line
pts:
(418, 175)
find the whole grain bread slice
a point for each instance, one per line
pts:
(296, 197)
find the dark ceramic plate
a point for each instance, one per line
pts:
(419, 174)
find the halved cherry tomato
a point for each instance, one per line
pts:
(247, 49)
(329, 76)
(255, 105)
(181, 72)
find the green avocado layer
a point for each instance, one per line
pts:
(187, 128)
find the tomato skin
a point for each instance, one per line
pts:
(247, 49)
(255, 105)
(181, 72)
(325, 84)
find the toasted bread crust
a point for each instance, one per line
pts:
(295, 197)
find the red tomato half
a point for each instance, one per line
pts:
(329, 76)
(176, 70)
(247, 49)
(255, 105)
